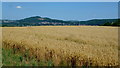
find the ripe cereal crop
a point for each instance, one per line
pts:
(65, 45)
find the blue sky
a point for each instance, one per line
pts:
(60, 0)
(60, 10)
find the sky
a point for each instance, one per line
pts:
(60, 0)
(60, 10)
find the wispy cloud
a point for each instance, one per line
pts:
(18, 7)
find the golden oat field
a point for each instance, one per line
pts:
(65, 45)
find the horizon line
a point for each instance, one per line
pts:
(61, 19)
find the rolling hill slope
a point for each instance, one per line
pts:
(38, 21)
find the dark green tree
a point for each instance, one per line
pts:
(107, 24)
(117, 23)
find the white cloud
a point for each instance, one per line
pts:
(18, 7)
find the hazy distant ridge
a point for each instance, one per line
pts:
(38, 21)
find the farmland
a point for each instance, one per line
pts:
(64, 45)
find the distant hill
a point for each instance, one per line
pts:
(98, 21)
(116, 23)
(39, 21)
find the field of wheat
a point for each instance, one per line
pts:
(69, 45)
